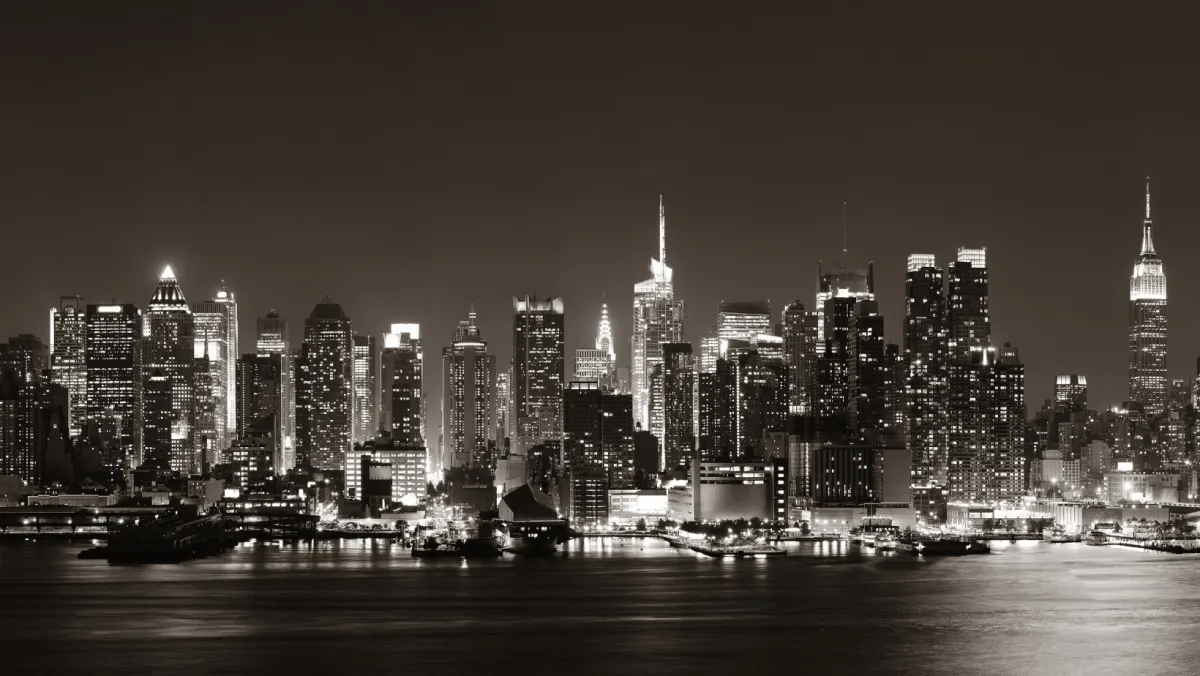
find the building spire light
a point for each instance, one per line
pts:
(167, 273)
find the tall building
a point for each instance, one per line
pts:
(503, 407)
(598, 432)
(402, 366)
(169, 329)
(325, 388)
(831, 383)
(214, 343)
(156, 420)
(842, 281)
(1148, 324)
(742, 320)
(925, 374)
(657, 319)
(114, 382)
(261, 396)
(593, 365)
(799, 353)
(868, 370)
(1070, 393)
(468, 371)
(677, 385)
(539, 370)
(33, 427)
(366, 402)
(272, 339)
(68, 357)
(27, 355)
(758, 402)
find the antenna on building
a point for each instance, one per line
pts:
(845, 236)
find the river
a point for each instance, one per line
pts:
(612, 607)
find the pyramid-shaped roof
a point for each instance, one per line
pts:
(328, 309)
(168, 295)
(529, 504)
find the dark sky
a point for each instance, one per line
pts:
(410, 158)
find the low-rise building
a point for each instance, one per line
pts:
(627, 506)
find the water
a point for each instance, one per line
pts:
(605, 607)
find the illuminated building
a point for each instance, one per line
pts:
(598, 432)
(215, 345)
(325, 388)
(987, 427)
(868, 370)
(1068, 430)
(402, 464)
(402, 366)
(599, 364)
(675, 382)
(503, 406)
(742, 321)
(759, 402)
(114, 382)
(831, 383)
(68, 357)
(33, 427)
(739, 490)
(170, 348)
(156, 421)
(261, 396)
(27, 356)
(539, 370)
(657, 319)
(1148, 324)
(925, 375)
(800, 354)
(366, 406)
(272, 339)
(842, 281)
(468, 372)
(969, 437)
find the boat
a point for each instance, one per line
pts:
(1095, 538)
(1058, 536)
(942, 546)
(438, 545)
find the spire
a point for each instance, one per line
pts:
(168, 273)
(1147, 226)
(662, 232)
(845, 236)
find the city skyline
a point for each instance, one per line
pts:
(846, 128)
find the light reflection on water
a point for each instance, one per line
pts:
(603, 605)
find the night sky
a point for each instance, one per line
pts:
(410, 159)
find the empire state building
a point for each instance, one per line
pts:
(1148, 324)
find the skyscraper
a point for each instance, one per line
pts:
(402, 366)
(468, 372)
(325, 388)
(868, 370)
(799, 353)
(261, 400)
(272, 339)
(33, 425)
(114, 382)
(68, 357)
(170, 348)
(925, 345)
(842, 281)
(742, 320)
(598, 432)
(657, 319)
(366, 406)
(539, 370)
(1148, 324)
(598, 364)
(214, 342)
(678, 376)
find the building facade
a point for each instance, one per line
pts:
(325, 388)
(539, 370)
(68, 357)
(114, 382)
(1148, 324)
(657, 319)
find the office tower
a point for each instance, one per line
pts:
(894, 370)
(715, 390)
(68, 357)
(114, 382)
(742, 320)
(27, 356)
(214, 342)
(33, 427)
(842, 281)
(599, 364)
(759, 402)
(468, 372)
(272, 338)
(1067, 431)
(169, 331)
(1148, 324)
(366, 406)
(1070, 393)
(261, 397)
(325, 388)
(1005, 469)
(402, 366)
(867, 372)
(831, 386)
(503, 406)
(799, 353)
(593, 365)
(676, 384)
(657, 319)
(156, 421)
(925, 378)
(968, 356)
(539, 370)
(598, 432)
